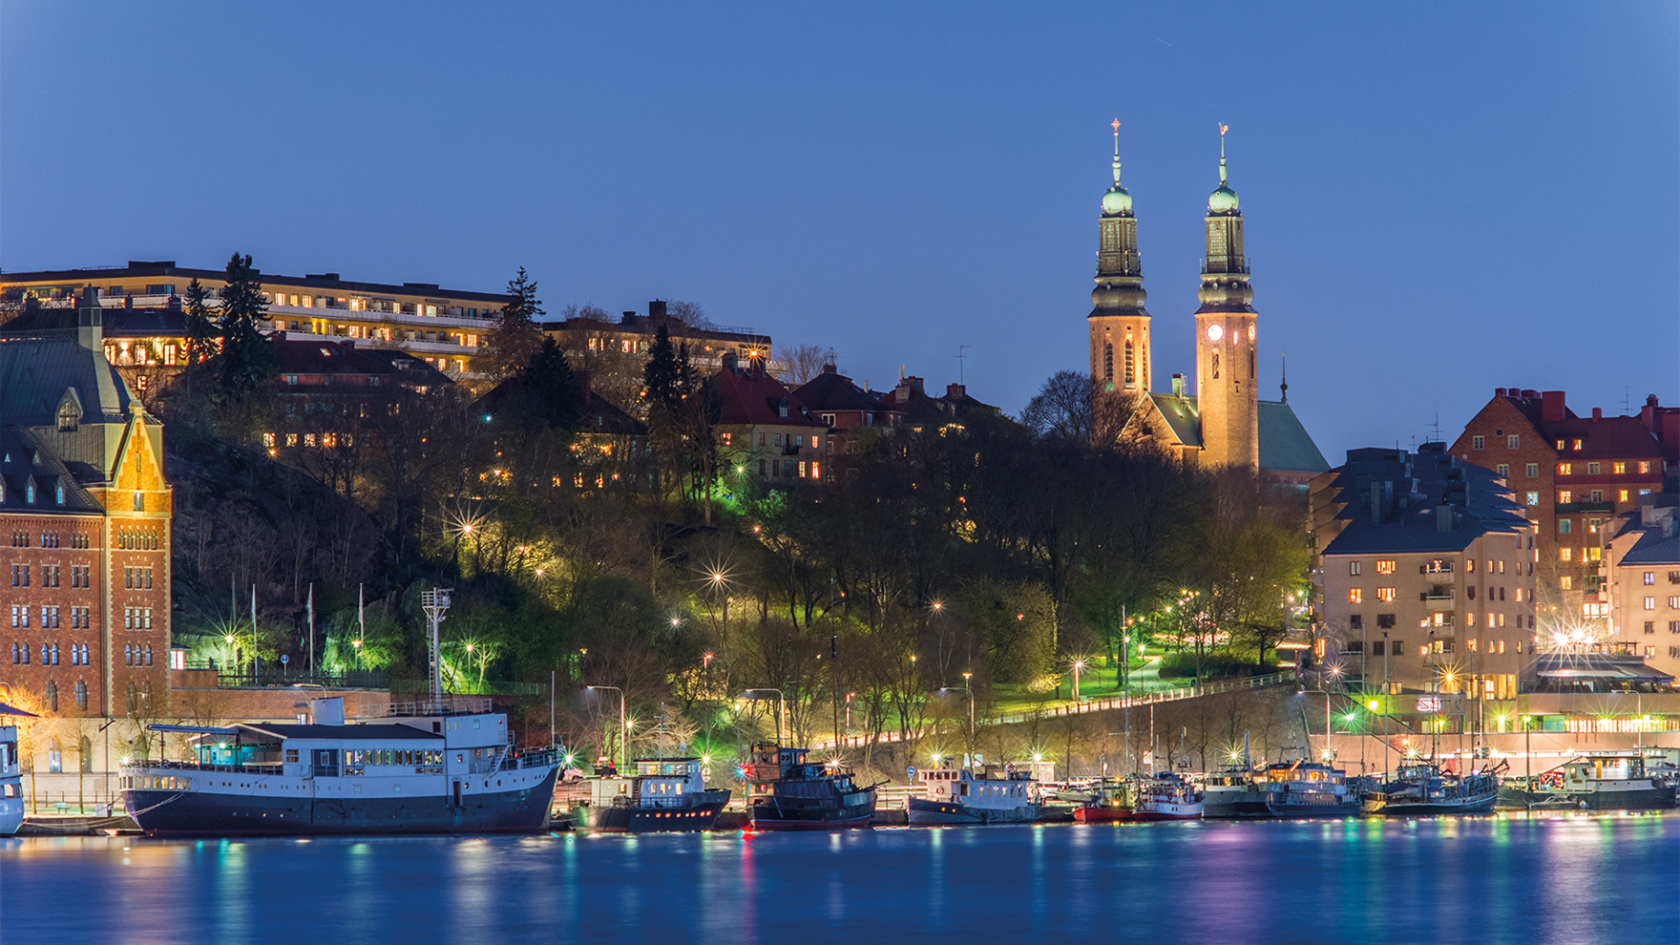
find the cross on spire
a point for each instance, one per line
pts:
(1116, 152)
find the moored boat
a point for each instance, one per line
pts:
(11, 772)
(1596, 781)
(1309, 789)
(956, 797)
(443, 765)
(1233, 792)
(664, 794)
(1167, 797)
(1107, 802)
(1422, 790)
(786, 792)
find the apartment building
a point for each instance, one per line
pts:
(614, 353)
(84, 528)
(1424, 575)
(1573, 476)
(146, 329)
(763, 430)
(1643, 560)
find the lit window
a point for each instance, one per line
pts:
(1353, 567)
(1533, 498)
(1385, 594)
(1577, 446)
(1565, 469)
(1644, 467)
(1563, 526)
(1385, 567)
(1355, 595)
(1565, 497)
(1650, 603)
(1650, 577)
(816, 441)
(1621, 495)
(1566, 554)
(1566, 582)
(1560, 445)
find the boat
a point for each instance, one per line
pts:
(1234, 792)
(1167, 797)
(1107, 801)
(1609, 780)
(1423, 790)
(1309, 789)
(954, 797)
(787, 792)
(11, 772)
(442, 765)
(664, 794)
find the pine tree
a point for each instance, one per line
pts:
(516, 338)
(202, 333)
(663, 374)
(247, 358)
(551, 390)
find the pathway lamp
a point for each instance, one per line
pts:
(781, 701)
(623, 724)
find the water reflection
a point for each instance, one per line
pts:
(1499, 879)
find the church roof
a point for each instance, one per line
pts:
(1285, 445)
(37, 367)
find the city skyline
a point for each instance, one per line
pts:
(899, 185)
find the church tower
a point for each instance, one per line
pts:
(1119, 324)
(1226, 392)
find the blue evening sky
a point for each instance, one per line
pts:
(1441, 198)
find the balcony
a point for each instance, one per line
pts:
(333, 313)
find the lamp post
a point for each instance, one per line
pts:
(623, 724)
(1327, 729)
(1077, 666)
(969, 741)
(781, 701)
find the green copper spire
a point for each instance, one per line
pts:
(1223, 200)
(1117, 200)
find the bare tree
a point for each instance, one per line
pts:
(690, 314)
(801, 363)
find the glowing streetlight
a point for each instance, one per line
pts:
(1077, 666)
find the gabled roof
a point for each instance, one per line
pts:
(24, 458)
(833, 391)
(35, 369)
(1653, 548)
(749, 396)
(1182, 416)
(1285, 445)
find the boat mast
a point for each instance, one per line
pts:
(435, 603)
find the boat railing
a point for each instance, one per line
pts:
(148, 764)
(531, 759)
(434, 705)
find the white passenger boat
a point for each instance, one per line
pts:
(955, 796)
(444, 765)
(664, 794)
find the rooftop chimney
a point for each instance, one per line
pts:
(956, 391)
(1443, 516)
(1530, 394)
(1598, 414)
(731, 362)
(1551, 406)
(1178, 385)
(1499, 392)
(656, 310)
(90, 322)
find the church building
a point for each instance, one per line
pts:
(1223, 422)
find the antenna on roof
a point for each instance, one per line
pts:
(1626, 409)
(1285, 385)
(1436, 435)
(960, 350)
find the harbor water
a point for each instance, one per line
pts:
(1524, 879)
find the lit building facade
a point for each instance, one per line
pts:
(444, 327)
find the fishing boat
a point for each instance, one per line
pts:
(954, 796)
(1609, 780)
(1423, 790)
(787, 792)
(11, 772)
(1309, 789)
(1106, 801)
(664, 794)
(443, 765)
(1167, 797)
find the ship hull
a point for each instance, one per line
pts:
(926, 813)
(162, 813)
(1302, 811)
(1092, 814)
(11, 814)
(1377, 803)
(766, 815)
(700, 816)
(1637, 798)
(1157, 813)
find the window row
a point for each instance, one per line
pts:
(137, 578)
(1673, 603)
(54, 761)
(1651, 626)
(80, 617)
(50, 654)
(30, 492)
(48, 540)
(138, 539)
(137, 618)
(1650, 577)
(789, 469)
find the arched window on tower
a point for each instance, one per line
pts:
(1251, 364)
(1131, 364)
(1216, 365)
(1108, 361)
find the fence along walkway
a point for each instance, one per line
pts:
(1100, 705)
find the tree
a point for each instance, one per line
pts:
(550, 389)
(516, 338)
(201, 329)
(247, 360)
(1074, 408)
(688, 314)
(801, 363)
(662, 376)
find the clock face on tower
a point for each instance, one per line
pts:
(1251, 334)
(1215, 333)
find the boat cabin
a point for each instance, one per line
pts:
(658, 782)
(960, 786)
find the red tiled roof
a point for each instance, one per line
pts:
(748, 396)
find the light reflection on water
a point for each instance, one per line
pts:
(1553, 879)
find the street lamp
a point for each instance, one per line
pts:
(970, 690)
(1328, 753)
(1077, 666)
(781, 700)
(623, 725)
